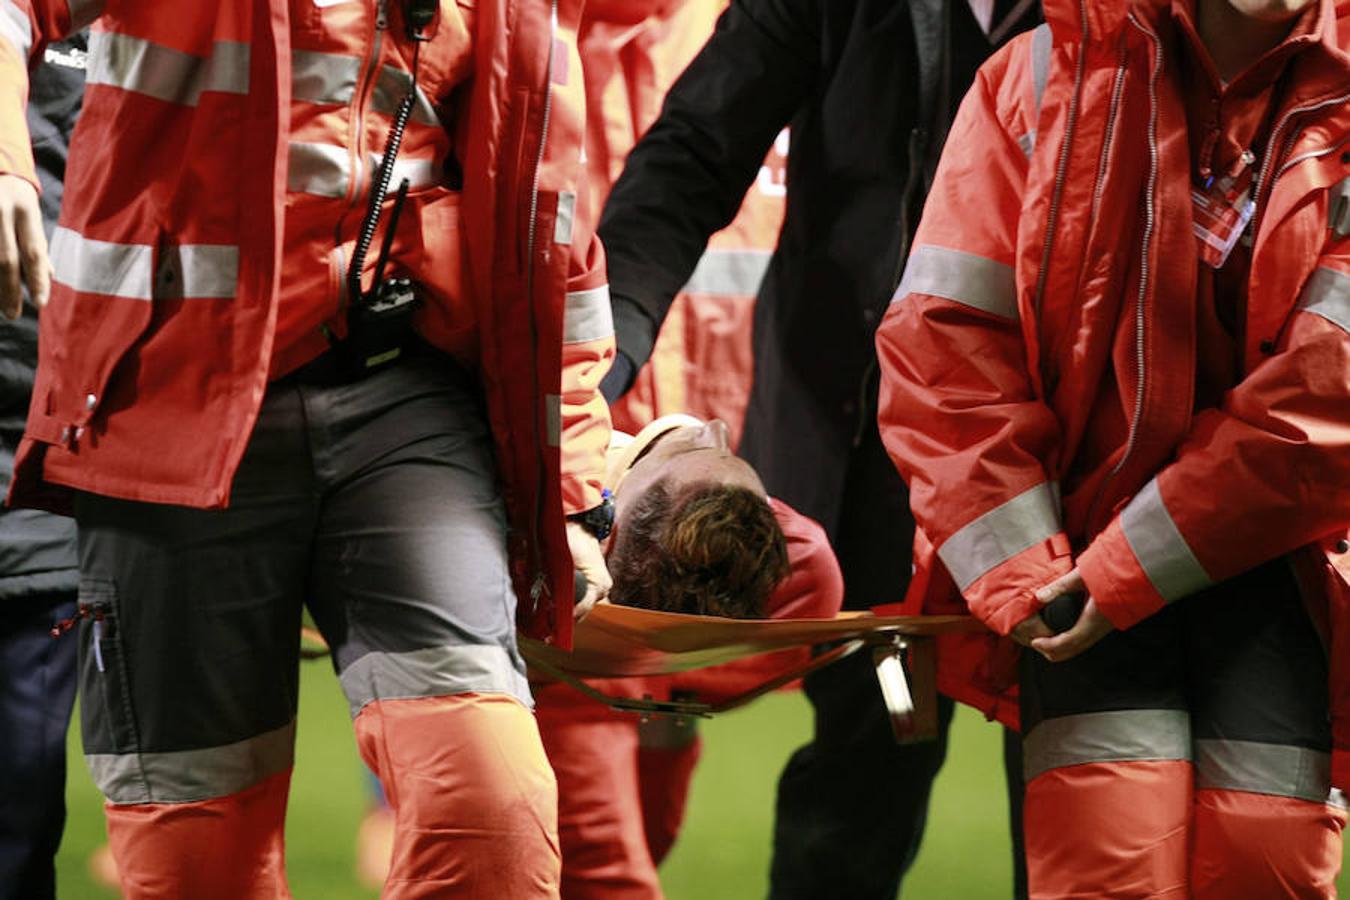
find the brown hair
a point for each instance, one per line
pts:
(714, 550)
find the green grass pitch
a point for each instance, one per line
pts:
(723, 852)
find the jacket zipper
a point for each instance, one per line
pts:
(540, 582)
(1261, 184)
(1145, 270)
(1113, 114)
(1062, 166)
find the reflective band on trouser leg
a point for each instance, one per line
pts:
(474, 799)
(1107, 805)
(1266, 822)
(219, 849)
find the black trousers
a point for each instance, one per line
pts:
(852, 804)
(37, 692)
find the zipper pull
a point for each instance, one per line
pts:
(381, 15)
(98, 641)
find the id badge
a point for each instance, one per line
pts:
(1221, 213)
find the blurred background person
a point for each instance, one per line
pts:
(39, 567)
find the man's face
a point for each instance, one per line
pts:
(686, 456)
(1271, 11)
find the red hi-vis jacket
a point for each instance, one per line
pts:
(170, 256)
(1039, 359)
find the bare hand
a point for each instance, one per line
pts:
(589, 560)
(23, 247)
(1090, 628)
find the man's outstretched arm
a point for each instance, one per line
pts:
(686, 178)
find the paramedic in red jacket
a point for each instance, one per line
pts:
(695, 533)
(234, 442)
(1117, 378)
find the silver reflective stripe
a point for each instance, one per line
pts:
(974, 281)
(1132, 735)
(135, 64)
(433, 672)
(1258, 768)
(321, 169)
(83, 12)
(185, 776)
(1040, 64)
(15, 28)
(391, 87)
(1327, 294)
(1162, 552)
(1000, 534)
(1027, 142)
(587, 316)
(729, 273)
(421, 173)
(102, 267)
(199, 271)
(567, 212)
(128, 270)
(326, 78)
(1339, 209)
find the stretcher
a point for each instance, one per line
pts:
(622, 642)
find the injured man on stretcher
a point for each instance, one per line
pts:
(694, 533)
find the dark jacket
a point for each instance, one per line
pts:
(37, 550)
(868, 88)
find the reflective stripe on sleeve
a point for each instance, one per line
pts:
(1327, 294)
(587, 316)
(433, 672)
(83, 12)
(566, 219)
(128, 270)
(137, 65)
(1001, 533)
(1280, 770)
(1131, 735)
(1162, 552)
(323, 78)
(198, 271)
(16, 29)
(184, 776)
(729, 273)
(391, 86)
(102, 267)
(965, 278)
(1041, 44)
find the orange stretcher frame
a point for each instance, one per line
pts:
(621, 642)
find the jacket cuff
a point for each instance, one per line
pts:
(1006, 595)
(634, 330)
(1116, 580)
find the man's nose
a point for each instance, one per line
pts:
(715, 434)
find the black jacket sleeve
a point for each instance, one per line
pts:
(687, 177)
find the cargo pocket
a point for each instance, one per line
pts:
(107, 714)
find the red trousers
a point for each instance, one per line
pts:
(620, 804)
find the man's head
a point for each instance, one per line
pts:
(693, 530)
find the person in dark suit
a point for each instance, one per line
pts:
(867, 89)
(39, 571)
